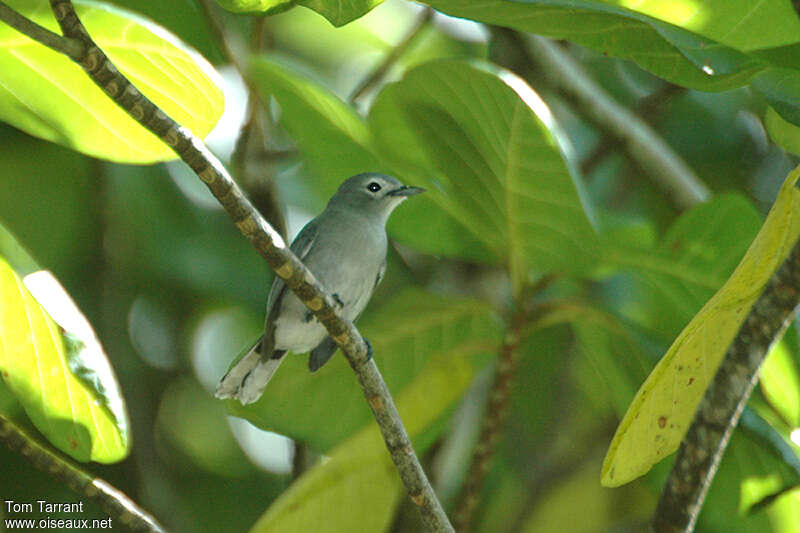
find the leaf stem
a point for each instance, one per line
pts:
(716, 418)
(543, 61)
(391, 58)
(273, 249)
(491, 424)
(70, 47)
(251, 155)
(111, 499)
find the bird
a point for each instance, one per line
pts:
(345, 249)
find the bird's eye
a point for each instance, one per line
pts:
(374, 187)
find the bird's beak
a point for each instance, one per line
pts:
(405, 190)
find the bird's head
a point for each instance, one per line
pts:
(372, 194)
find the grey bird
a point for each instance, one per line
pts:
(345, 249)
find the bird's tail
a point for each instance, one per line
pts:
(248, 377)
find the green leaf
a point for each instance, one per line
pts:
(336, 143)
(53, 363)
(493, 158)
(616, 357)
(665, 404)
(195, 423)
(693, 260)
(666, 50)
(334, 139)
(360, 470)
(340, 12)
(783, 133)
(47, 95)
(781, 88)
(775, 468)
(779, 380)
(411, 329)
(267, 7)
(742, 24)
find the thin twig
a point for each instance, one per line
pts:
(647, 108)
(491, 424)
(110, 499)
(718, 414)
(273, 249)
(545, 62)
(69, 47)
(391, 58)
(250, 158)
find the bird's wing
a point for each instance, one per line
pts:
(301, 245)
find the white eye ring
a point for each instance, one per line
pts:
(373, 187)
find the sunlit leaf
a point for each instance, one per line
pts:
(267, 7)
(665, 404)
(738, 23)
(405, 333)
(47, 95)
(493, 158)
(360, 469)
(785, 512)
(338, 12)
(671, 52)
(779, 380)
(52, 362)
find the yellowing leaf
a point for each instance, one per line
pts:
(358, 488)
(56, 369)
(664, 406)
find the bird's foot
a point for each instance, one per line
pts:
(369, 348)
(338, 300)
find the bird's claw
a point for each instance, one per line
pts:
(369, 348)
(338, 300)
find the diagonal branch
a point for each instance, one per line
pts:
(491, 424)
(718, 414)
(543, 62)
(112, 500)
(40, 34)
(391, 58)
(266, 241)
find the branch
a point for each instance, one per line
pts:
(251, 155)
(545, 62)
(647, 108)
(701, 450)
(272, 248)
(391, 58)
(110, 499)
(493, 419)
(40, 34)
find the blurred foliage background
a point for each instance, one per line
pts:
(174, 292)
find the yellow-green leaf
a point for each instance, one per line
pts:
(780, 383)
(406, 333)
(47, 95)
(360, 474)
(52, 362)
(663, 408)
